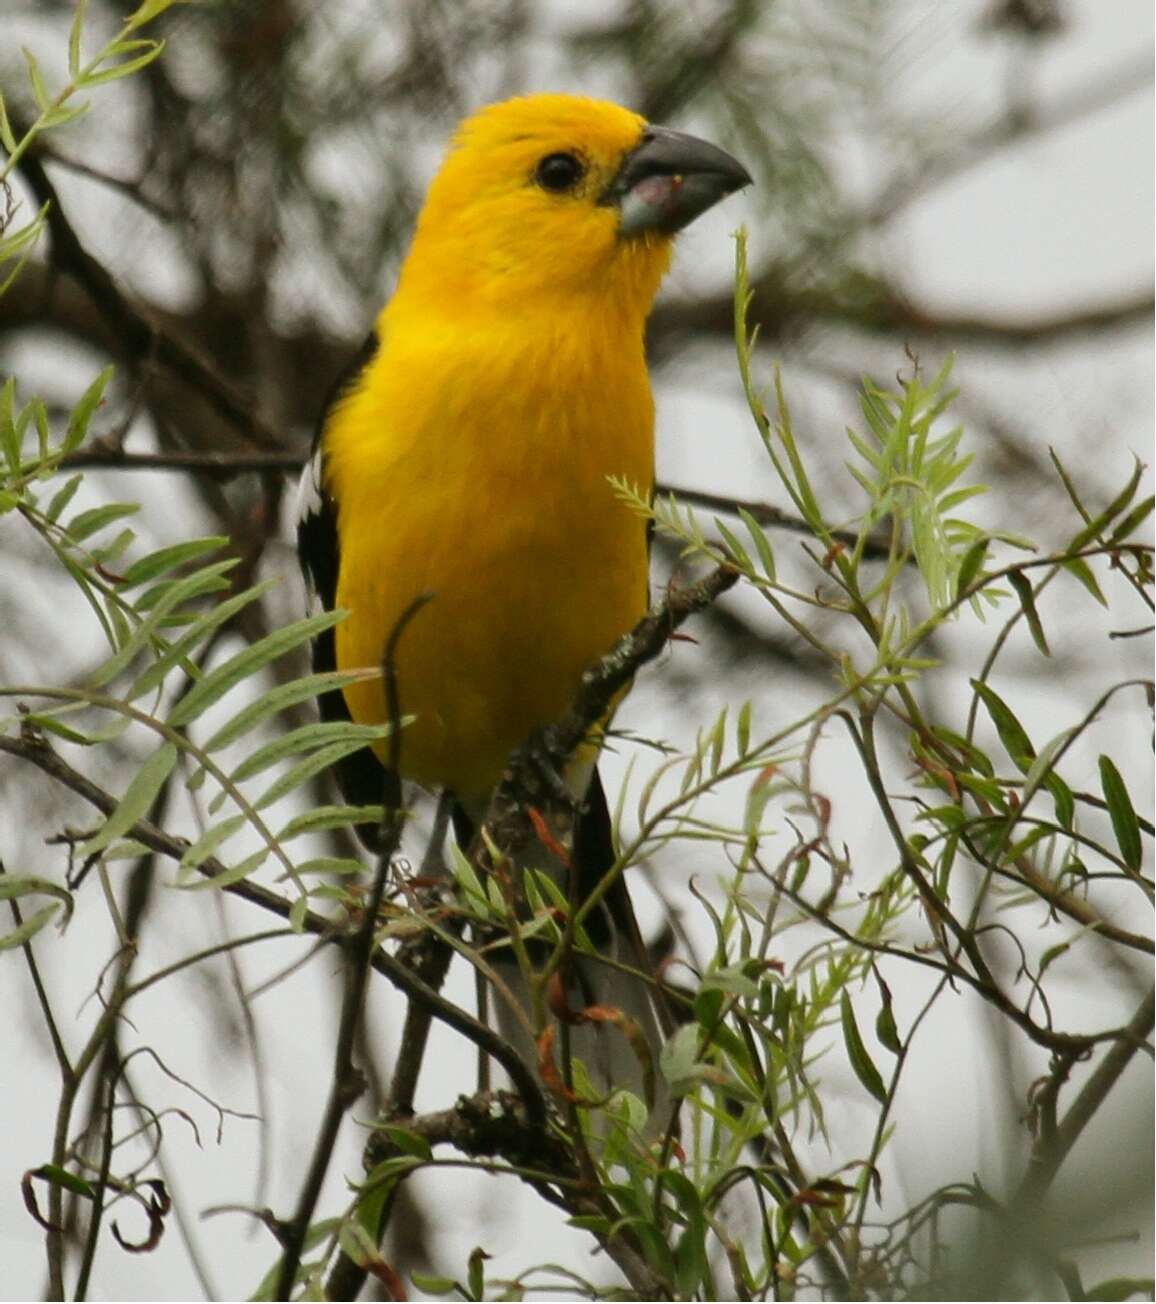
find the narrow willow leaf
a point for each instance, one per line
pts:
(319, 819)
(12, 887)
(1120, 503)
(1023, 588)
(331, 865)
(1065, 802)
(1078, 567)
(736, 549)
(197, 584)
(761, 542)
(176, 592)
(74, 34)
(969, 567)
(304, 770)
(306, 738)
(1011, 733)
(11, 439)
(147, 11)
(125, 68)
(29, 928)
(39, 89)
(1132, 522)
(1122, 813)
(166, 559)
(7, 139)
(206, 845)
(219, 615)
(137, 800)
(297, 912)
(885, 1027)
(63, 496)
(1040, 768)
(861, 1062)
(246, 662)
(88, 522)
(440, 1286)
(743, 728)
(82, 413)
(227, 877)
(1118, 1288)
(50, 724)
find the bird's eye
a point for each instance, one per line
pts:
(559, 172)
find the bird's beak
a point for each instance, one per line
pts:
(668, 179)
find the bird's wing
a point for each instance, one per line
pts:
(361, 775)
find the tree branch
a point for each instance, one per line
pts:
(135, 333)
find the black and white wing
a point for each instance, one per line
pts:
(361, 776)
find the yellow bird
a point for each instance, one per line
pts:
(469, 451)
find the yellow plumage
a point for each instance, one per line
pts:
(472, 458)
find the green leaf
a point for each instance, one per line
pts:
(126, 67)
(82, 412)
(736, 549)
(7, 139)
(12, 887)
(1011, 733)
(147, 11)
(1132, 522)
(435, 1285)
(969, 567)
(56, 1176)
(1121, 1288)
(39, 90)
(175, 592)
(678, 1058)
(206, 845)
(63, 496)
(11, 438)
(50, 724)
(885, 1027)
(87, 523)
(321, 818)
(1027, 597)
(476, 1278)
(330, 865)
(137, 800)
(300, 773)
(28, 929)
(306, 738)
(282, 697)
(861, 1062)
(166, 559)
(1040, 769)
(248, 661)
(226, 877)
(297, 912)
(1123, 814)
(1078, 567)
(223, 612)
(761, 542)
(74, 39)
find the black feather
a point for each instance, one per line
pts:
(364, 781)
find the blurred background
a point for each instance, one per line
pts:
(931, 178)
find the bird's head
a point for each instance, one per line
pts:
(554, 195)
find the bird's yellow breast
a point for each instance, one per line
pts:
(471, 462)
